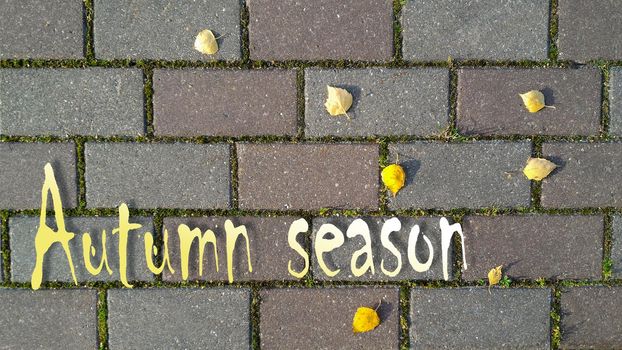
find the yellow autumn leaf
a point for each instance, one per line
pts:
(206, 42)
(534, 100)
(538, 168)
(494, 276)
(365, 320)
(338, 102)
(393, 176)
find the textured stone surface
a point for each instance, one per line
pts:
(589, 30)
(482, 29)
(469, 175)
(534, 246)
(35, 29)
(489, 101)
(22, 174)
(92, 101)
(616, 247)
(321, 29)
(588, 175)
(590, 318)
(224, 102)
(615, 101)
(473, 318)
(307, 176)
(153, 29)
(174, 175)
(269, 250)
(48, 319)
(22, 232)
(386, 101)
(321, 318)
(340, 257)
(216, 318)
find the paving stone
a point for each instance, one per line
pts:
(386, 101)
(224, 102)
(48, 319)
(152, 29)
(270, 253)
(590, 318)
(22, 175)
(321, 318)
(534, 246)
(22, 231)
(473, 318)
(615, 101)
(176, 175)
(91, 101)
(340, 257)
(483, 29)
(215, 318)
(35, 29)
(462, 175)
(489, 101)
(588, 175)
(616, 247)
(589, 30)
(321, 29)
(307, 176)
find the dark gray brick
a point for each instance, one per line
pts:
(534, 246)
(269, 250)
(589, 29)
(489, 101)
(616, 247)
(469, 175)
(48, 319)
(589, 175)
(340, 257)
(590, 318)
(224, 102)
(92, 101)
(22, 175)
(484, 29)
(321, 29)
(308, 176)
(152, 29)
(154, 175)
(615, 101)
(321, 318)
(473, 318)
(23, 230)
(35, 29)
(386, 101)
(215, 318)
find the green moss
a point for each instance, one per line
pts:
(404, 317)
(255, 318)
(102, 318)
(553, 30)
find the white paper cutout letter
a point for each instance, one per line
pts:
(359, 227)
(447, 232)
(299, 226)
(412, 251)
(391, 225)
(324, 245)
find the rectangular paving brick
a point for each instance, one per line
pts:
(35, 29)
(22, 232)
(489, 101)
(321, 29)
(224, 102)
(615, 101)
(22, 174)
(340, 258)
(590, 318)
(473, 318)
(616, 246)
(152, 29)
(589, 30)
(321, 318)
(462, 175)
(307, 176)
(487, 29)
(386, 101)
(270, 253)
(152, 175)
(534, 246)
(44, 319)
(589, 175)
(215, 318)
(91, 101)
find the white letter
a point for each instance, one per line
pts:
(447, 231)
(391, 225)
(298, 226)
(359, 227)
(412, 253)
(323, 245)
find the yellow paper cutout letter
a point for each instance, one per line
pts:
(299, 226)
(150, 251)
(186, 237)
(232, 233)
(324, 245)
(359, 227)
(124, 228)
(86, 248)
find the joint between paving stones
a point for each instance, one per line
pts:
(244, 34)
(607, 262)
(604, 111)
(89, 43)
(255, 318)
(102, 318)
(6, 250)
(405, 317)
(81, 169)
(555, 317)
(300, 104)
(233, 161)
(397, 31)
(553, 32)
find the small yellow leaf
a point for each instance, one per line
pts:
(533, 100)
(338, 102)
(494, 276)
(538, 168)
(393, 176)
(365, 319)
(206, 42)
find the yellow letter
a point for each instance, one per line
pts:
(323, 245)
(298, 226)
(150, 250)
(232, 237)
(359, 227)
(124, 227)
(186, 237)
(86, 247)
